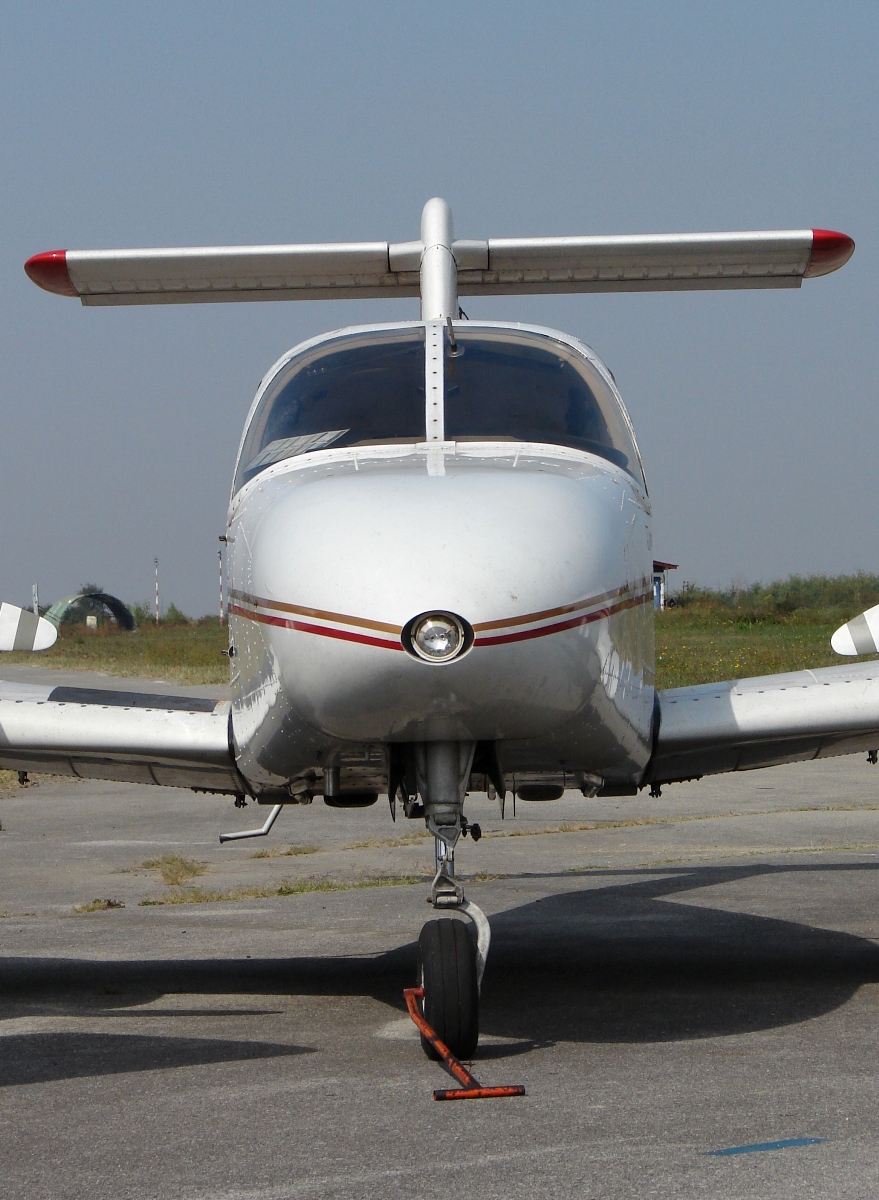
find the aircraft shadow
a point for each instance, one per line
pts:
(617, 961)
(625, 963)
(46, 1057)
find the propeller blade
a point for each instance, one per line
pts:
(20, 629)
(860, 635)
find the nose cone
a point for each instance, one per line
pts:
(343, 560)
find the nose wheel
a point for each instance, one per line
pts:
(447, 970)
(451, 951)
(451, 960)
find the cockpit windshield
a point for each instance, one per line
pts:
(501, 385)
(507, 385)
(360, 390)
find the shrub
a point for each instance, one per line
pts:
(785, 597)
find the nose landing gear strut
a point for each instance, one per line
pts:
(451, 954)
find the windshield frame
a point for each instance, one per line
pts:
(541, 332)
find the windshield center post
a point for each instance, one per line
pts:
(434, 396)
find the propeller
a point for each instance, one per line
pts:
(20, 629)
(860, 635)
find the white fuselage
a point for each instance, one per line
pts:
(544, 551)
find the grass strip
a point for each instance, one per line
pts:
(180, 652)
(286, 851)
(684, 818)
(705, 639)
(407, 839)
(198, 895)
(763, 852)
(98, 906)
(174, 870)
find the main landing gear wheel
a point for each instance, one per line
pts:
(447, 972)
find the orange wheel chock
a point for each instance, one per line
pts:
(472, 1089)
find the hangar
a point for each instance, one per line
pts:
(86, 603)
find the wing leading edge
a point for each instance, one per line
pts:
(179, 741)
(133, 737)
(743, 724)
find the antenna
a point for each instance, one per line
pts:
(453, 342)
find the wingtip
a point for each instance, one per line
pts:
(830, 251)
(48, 270)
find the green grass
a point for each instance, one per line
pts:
(760, 629)
(180, 651)
(704, 644)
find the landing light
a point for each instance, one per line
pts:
(437, 637)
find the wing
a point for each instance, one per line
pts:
(134, 737)
(743, 724)
(496, 266)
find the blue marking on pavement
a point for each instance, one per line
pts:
(758, 1146)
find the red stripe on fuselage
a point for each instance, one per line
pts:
(523, 635)
(544, 630)
(322, 631)
(577, 606)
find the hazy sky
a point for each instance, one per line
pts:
(171, 124)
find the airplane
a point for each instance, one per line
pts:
(440, 556)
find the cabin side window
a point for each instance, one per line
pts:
(356, 391)
(505, 386)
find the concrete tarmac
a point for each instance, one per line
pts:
(687, 987)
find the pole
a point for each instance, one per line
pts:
(156, 561)
(36, 600)
(220, 560)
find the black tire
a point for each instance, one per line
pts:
(447, 972)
